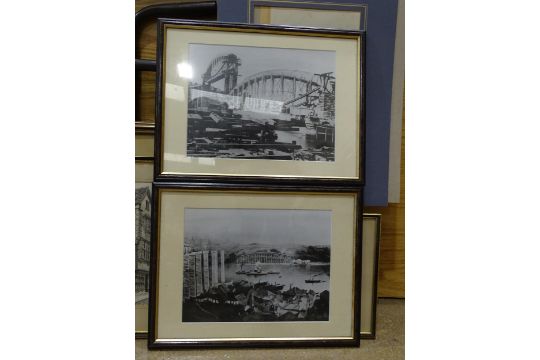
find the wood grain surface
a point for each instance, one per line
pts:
(145, 48)
(147, 96)
(392, 246)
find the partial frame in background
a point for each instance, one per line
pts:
(309, 13)
(270, 125)
(269, 315)
(371, 236)
(143, 216)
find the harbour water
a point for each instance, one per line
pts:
(289, 275)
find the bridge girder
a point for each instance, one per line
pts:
(222, 67)
(279, 85)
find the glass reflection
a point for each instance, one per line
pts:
(185, 70)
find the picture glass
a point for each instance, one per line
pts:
(249, 102)
(253, 265)
(275, 104)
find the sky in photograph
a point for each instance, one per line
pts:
(244, 226)
(257, 59)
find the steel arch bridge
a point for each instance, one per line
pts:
(289, 88)
(286, 86)
(223, 67)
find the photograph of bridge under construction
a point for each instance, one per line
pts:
(261, 103)
(253, 265)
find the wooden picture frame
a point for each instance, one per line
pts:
(371, 236)
(198, 295)
(270, 124)
(318, 13)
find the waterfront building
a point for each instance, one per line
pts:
(202, 271)
(263, 257)
(214, 275)
(198, 273)
(222, 267)
(206, 270)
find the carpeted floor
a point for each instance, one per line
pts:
(389, 345)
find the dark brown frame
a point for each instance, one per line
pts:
(372, 333)
(156, 196)
(300, 181)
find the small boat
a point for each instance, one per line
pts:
(312, 280)
(241, 271)
(256, 271)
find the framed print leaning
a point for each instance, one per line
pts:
(143, 201)
(371, 235)
(259, 102)
(254, 267)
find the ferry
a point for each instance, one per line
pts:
(311, 280)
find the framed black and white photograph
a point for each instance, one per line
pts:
(254, 267)
(272, 112)
(251, 101)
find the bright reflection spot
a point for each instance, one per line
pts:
(240, 103)
(174, 92)
(179, 158)
(207, 161)
(185, 70)
(173, 157)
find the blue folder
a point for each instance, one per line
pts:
(378, 18)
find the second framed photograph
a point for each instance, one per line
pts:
(255, 267)
(259, 102)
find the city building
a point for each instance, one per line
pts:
(142, 242)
